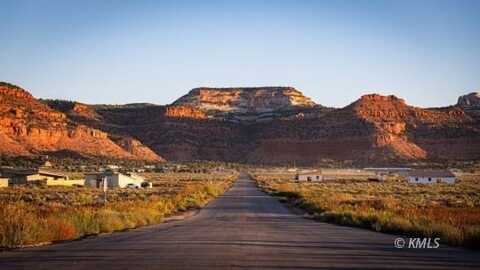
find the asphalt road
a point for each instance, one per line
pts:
(243, 229)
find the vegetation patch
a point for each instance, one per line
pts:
(450, 212)
(30, 216)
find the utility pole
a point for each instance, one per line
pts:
(105, 188)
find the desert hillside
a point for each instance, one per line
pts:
(269, 125)
(29, 127)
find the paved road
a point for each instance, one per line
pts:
(244, 229)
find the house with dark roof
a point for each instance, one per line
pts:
(431, 177)
(20, 176)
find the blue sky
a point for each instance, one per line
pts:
(427, 52)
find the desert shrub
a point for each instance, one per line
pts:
(32, 216)
(18, 225)
(450, 212)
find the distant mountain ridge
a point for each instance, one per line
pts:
(262, 125)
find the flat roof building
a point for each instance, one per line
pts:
(114, 179)
(30, 176)
(431, 177)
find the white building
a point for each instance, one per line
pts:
(114, 179)
(431, 177)
(309, 176)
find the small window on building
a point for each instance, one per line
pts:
(318, 177)
(309, 178)
(429, 179)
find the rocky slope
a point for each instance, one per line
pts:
(272, 125)
(29, 127)
(374, 129)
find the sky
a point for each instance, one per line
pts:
(115, 52)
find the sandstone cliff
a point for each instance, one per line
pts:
(255, 125)
(245, 100)
(184, 112)
(374, 129)
(248, 104)
(29, 127)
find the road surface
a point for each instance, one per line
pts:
(243, 229)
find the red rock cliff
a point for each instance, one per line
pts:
(29, 127)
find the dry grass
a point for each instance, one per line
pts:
(36, 215)
(451, 212)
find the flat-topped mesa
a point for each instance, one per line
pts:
(470, 101)
(245, 100)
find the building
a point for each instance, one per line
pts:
(309, 176)
(114, 179)
(31, 176)
(431, 177)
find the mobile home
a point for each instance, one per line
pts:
(309, 176)
(431, 177)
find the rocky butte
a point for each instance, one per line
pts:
(261, 125)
